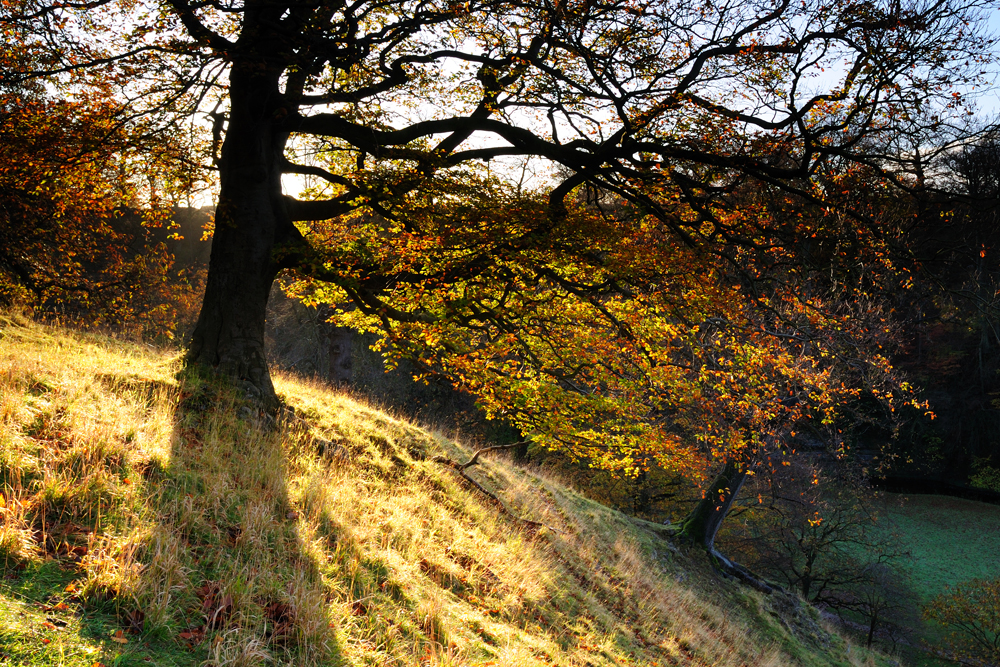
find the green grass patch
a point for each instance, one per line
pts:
(950, 539)
(43, 624)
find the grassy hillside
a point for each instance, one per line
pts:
(151, 516)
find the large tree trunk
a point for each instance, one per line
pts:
(251, 222)
(703, 523)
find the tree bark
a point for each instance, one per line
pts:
(871, 628)
(703, 523)
(251, 223)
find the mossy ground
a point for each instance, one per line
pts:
(153, 516)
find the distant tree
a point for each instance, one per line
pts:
(77, 183)
(951, 317)
(977, 166)
(818, 530)
(972, 612)
(880, 597)
(64, 247)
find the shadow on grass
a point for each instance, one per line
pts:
(169, 540)
(228, 569)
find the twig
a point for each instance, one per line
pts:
(461, 467)
(475, 457)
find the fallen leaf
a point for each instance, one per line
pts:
(278, 612)
(135, 619)
(119, 636)
(207, 591)
(46, 641)
(193, 635)
(74, 552)
(49, 626)
(214, 604)
(71, 588)
(221, 613)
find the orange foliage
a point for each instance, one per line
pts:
(611, 335)
(972, 612)
(68, 246)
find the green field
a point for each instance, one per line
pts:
(950, 539)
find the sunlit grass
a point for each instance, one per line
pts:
(161, 517)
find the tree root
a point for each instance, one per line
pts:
(460, 468)
(733, 569)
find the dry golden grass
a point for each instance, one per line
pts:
(174, 505)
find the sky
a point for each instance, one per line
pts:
(986, 101)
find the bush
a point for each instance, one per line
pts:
(972, 612)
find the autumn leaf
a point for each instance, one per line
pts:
(216, 606)
(135, 620)
(193, 635)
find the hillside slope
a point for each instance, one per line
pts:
(151, 516)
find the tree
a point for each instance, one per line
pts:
(814, 534)
(65, 245)
(950, 345)
(972, 612)
(631, 308)
(882, 595)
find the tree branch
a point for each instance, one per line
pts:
(302, 211)
(460, 468)
(197, 29)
